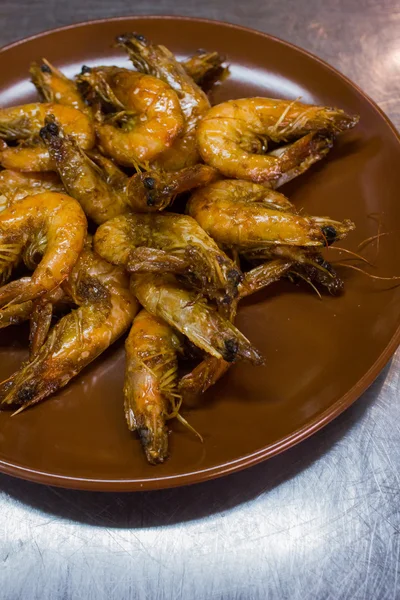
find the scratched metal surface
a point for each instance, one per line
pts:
(319, 522)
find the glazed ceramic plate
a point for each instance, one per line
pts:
(320, 355)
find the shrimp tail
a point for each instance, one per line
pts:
(310, 149)
(263, 275)
(206, 68)
(206, 374)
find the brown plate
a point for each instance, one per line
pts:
(321, 355)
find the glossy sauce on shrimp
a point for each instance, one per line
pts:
(233, 136)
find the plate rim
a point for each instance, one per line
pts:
(248, 460)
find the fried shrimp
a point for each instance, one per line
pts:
(245, 224)
(150, 388)
(54, 86)
(149, 118)
(15, 185)
(169, 243)
(163, 296)
(234, 136)
(51, 226)
(105, 311)
(98, 185)
(24, 123)
(161, 63)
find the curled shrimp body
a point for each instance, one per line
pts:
(150, 382)
(53, 86)
(50, 225)
(245, 224)
(98, 185)
(24, 123)
(15, 185)
(153, 191)
(163, 296)
(153, 117)
(105, 311)
(233, 136)
(169, 242)
(160, 62)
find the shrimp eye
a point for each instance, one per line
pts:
(231, 350)
(234, 276)
(139, 37)
(85, 69)
(149, 183)
(330, 233)
(52, 128)
(45, 69)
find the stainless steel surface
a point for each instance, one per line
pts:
(321, 521)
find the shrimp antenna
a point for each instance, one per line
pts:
(307, 280)
(358, 256)
(365, 243)
(394, 277)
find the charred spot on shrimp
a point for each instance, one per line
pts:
(45, 68)
(149, 183)
(85, 69)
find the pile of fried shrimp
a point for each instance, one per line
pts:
(93, 244)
